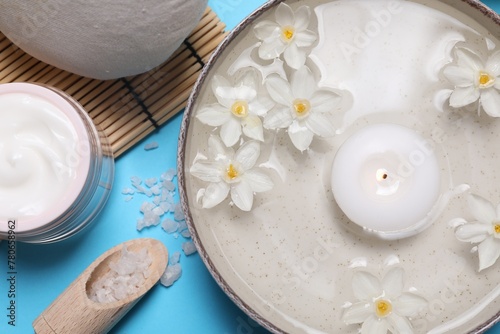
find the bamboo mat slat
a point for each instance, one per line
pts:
(126, 109)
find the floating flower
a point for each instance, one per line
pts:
(383, 306)
(288, 35)
(238, 109)
(301, 107)
(475, 80)
(485, 230)
(230, 172)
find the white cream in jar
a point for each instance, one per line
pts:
(47, 158)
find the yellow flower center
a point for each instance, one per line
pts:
(240, 108)
(383, 308)
(301, 107)
(287, 33)
(232, 172)
(485, 80)
(497, 228)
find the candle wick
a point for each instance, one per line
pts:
(385, 176)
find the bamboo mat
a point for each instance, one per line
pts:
(130, 108)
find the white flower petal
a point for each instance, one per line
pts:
(493, 64)
(294, 57)
(271, 48)
(399, 324)
(463, 96)
(300, 135)
(242, 195)
(244, 60)
(278, 119)
(249, 79)
(374, 325)
(260, 105)
(252, 127)
(460, 76)
(497, 83)
(324, 101)
(242, 93)
(468, 59)
(230, 132)
(266, 29)
(302, 18)
(217, 150)
(489, 252)
(284, 15)
(409, 304)
(303, 83)
(305, 39)
(473, 233)
(214, 194)
(248, 154)
(490, 101)
(320, 125)
(258, 181)
(214, 115)
(366, 286)
(357, 313)
(481, 209)
(279, 90)
(207, 171)
(393, 281)
(217, 83)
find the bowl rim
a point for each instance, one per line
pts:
(181, 163)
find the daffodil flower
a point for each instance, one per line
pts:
(238, 110)
(383, 305)
(475, 80)
(230, 172)
(485, 230)
(301, 107)
(288, 35)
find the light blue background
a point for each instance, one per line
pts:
(195, 304)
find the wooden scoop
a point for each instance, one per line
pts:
(73, 312)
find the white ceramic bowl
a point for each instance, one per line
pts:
(291, 261)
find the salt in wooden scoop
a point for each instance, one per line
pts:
(73, 312)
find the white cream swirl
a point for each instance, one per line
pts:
(39, 167)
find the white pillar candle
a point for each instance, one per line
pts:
(50, 155)
(386, 179)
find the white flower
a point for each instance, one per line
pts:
(301, 107)
(288, 35)
(238, 109)
(485, 231)
(230, 172)
(383, 306)
(475, 80)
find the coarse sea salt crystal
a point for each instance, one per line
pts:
(135, 180)
(151, 146)
(147, 207)
(188, 248)
(155, 190)
(169, 225)
(175, 258)
(151, 181)
(169, 185)
(128, 191)
(125, 277)
(186, 234)
(171, 274)
(178, 213)
(169, 174)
